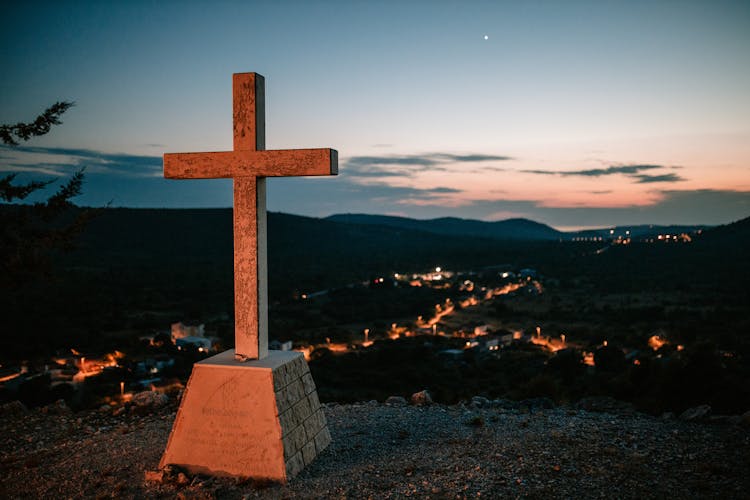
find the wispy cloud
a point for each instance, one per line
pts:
(632, 171)
(61, 161)
(645, 178)
(410, 165)
(597, 172)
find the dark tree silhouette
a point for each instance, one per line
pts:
(30, 234)
(11, 134)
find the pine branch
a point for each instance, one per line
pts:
(11, 134)
(9, 192)
(61, 199)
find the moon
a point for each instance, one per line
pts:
(486, 37)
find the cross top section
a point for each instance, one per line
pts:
(248, 165)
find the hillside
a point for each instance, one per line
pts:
(511, 229)
(304, 253)
(143, 268)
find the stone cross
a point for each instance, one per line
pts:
(248, 165)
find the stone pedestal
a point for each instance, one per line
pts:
(259, 419)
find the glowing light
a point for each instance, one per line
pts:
(588, 358)
(655, 342)
(437, 269)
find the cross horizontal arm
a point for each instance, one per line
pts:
(273, 163)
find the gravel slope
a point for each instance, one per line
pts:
(393, 451)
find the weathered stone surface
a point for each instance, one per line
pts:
(228, 423)
(313, 400)
(248, 419)
(308, 452)
(232, 418)
(314, 423)
(308, 383)
(322, 439)
(295, 464)
(249, 164)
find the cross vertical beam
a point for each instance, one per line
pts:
(249, 216)
(248, 165)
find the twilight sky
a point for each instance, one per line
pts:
(575, 114)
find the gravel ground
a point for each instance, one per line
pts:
(393, 451)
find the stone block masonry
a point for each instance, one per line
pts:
(259, 419)
(303, 425)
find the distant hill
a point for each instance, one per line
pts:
(736, 234)
(510, 229)
(305, 253)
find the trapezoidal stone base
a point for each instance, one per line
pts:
(255, 419)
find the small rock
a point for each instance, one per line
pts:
(480, 402)
(696, 413)
(421, 398)
(182, 478)
(396, 401)
(150, 399)
(154, 476)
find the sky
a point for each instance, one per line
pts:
(575, 114)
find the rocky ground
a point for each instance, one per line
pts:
(392, 450)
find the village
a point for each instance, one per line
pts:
(162, 360)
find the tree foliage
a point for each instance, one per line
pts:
(30, 234)
(11, 134)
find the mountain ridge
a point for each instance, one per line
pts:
(510, 229)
